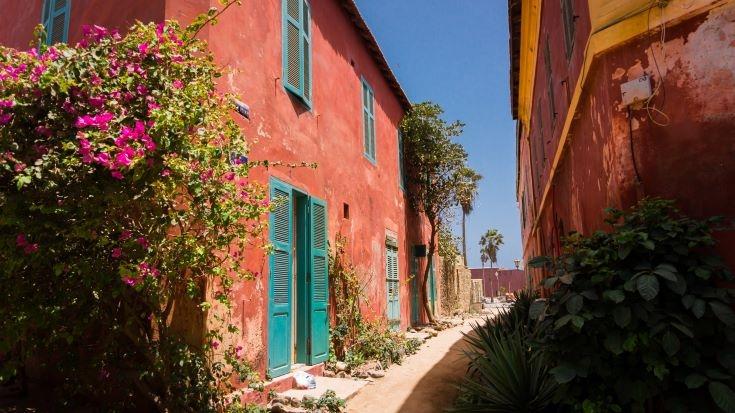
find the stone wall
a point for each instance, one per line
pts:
(456, 288)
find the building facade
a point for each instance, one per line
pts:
(620, 100)
(318, 90)
(495, 281)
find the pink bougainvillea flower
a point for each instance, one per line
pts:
(19, 167)
(117, 175)
(21, 240)
(159, 29)
(37, 72)
(6, 103)
(177, 84)
(153, 106)
(125, 235)
(143, 242)
(116, 252)
(143, 48)
(30, 249)
(141, 89)
(43, 131)
(148, 142)
(130, 281)
(125, 157)
(5, 118)
(103, 158)
(229, 176)
(100, 121)
(215, 344)
(239, 352)
(97, 101)
(165, 172)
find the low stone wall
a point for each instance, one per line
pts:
(456, 288)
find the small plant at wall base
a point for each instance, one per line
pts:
(353, 339)
(125, 205)
(640, 318)
(436, 168)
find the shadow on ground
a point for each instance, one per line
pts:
(437, 390)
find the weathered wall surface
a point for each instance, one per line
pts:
(455, 288)
(690, 159)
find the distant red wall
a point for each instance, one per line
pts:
(510, 279)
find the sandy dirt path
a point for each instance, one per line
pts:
(423, 383)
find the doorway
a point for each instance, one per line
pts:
(298, 325)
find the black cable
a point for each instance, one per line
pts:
(632, 147)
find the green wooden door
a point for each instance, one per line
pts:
(392, 288)
(281, 273)
(318, 279)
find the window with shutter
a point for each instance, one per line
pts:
(392, 286)
(56, 20)
(368, 120)
(297, 49)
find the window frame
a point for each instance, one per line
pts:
(369, 112)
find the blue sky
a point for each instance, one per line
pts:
(455, 53)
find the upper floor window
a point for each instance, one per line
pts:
(368, 120)
(567, 14)
(56, 20)
(297, 48)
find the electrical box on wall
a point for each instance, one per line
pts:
(636, 90)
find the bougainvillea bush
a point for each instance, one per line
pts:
(124, 206)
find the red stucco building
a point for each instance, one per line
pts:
(585, 144)
(318, 90)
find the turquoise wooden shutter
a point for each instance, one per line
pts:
(292, 57)
(281, 275)
(368, 120)
(392, 287)
(432, 287)
(306, 51)
(297, 48)
(415, 311)
(56, 20)
(319, 343)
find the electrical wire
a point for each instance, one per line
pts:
(652, 109)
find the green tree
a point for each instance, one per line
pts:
(466, 194)
(490, 244)
(435, 166)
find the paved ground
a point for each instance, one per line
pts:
(423, 383)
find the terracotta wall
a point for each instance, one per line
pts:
(689, 160)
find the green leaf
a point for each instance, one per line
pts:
(563, 373)
(621, 315)
(695, 380)
(648, 244)
(698, 308)
(688, 300)
(561, 322)
(615, 296)
(723, 312)
(670, 343)
(666, 271)
(550, 282)
(723, 396)
(684, 329)
(567, 278)
(678, 286)
(578, 321)
(537, 309)
(648, 287)
(589, 294)
(574, 304)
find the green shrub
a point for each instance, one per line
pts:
(639, 319)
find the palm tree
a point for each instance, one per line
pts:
(466, 194)
(489, 246)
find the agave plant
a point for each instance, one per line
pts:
(505, 374)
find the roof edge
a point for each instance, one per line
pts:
(514, 30)
(372, 44)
